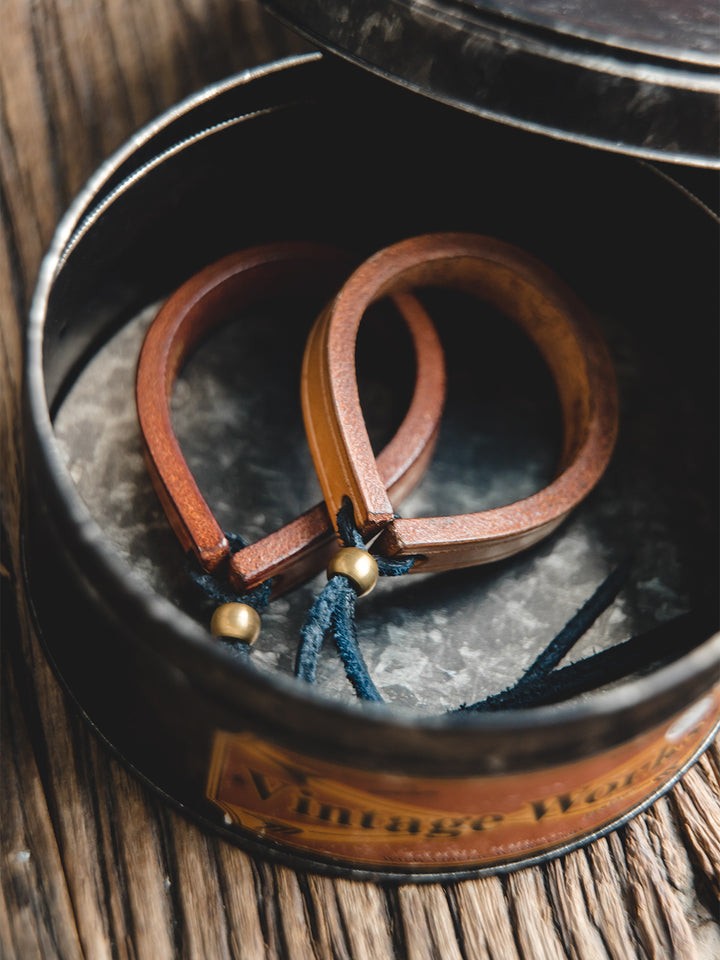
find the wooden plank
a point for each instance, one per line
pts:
(484, 915)
(328, 927)
(199, 907)
(36, 912)
(366, 918)
(428, 929)
(239, 886)
(534, 921)
(697, 808)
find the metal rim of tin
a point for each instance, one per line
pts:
(466, 745)
(540, 67)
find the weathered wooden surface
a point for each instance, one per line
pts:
(95, 866)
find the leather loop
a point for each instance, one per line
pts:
(528, 292)
(304, 545)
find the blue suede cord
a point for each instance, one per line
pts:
(636, 655)
(216, 592)
(334, 608)
(576, 627)
(542, 683)
(345, 635)
(530, 688)
(316, 625)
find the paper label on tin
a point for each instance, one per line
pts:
(382, 820)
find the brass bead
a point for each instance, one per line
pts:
(358, 566)
(238, 621)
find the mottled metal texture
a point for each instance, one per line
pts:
(637, 251)
(636, 77)
(431, 642)
(687, 31)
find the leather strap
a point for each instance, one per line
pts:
(528, 292)
(302, 547)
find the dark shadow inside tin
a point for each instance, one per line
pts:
(363, 172)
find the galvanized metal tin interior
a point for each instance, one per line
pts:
(309, 150)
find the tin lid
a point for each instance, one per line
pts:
(634, 76)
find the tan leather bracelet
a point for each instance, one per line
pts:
(304, 545)
(522, 288)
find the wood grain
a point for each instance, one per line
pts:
(95, 866)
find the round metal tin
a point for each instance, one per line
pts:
(289, 151)
(634, 77)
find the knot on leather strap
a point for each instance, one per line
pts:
(350, 536)
(216, 591)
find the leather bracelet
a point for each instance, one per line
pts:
(553, 317)
(303, 546)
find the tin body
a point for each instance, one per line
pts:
(268, 762)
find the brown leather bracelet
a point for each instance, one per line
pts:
(303, 546)
(522, 288)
